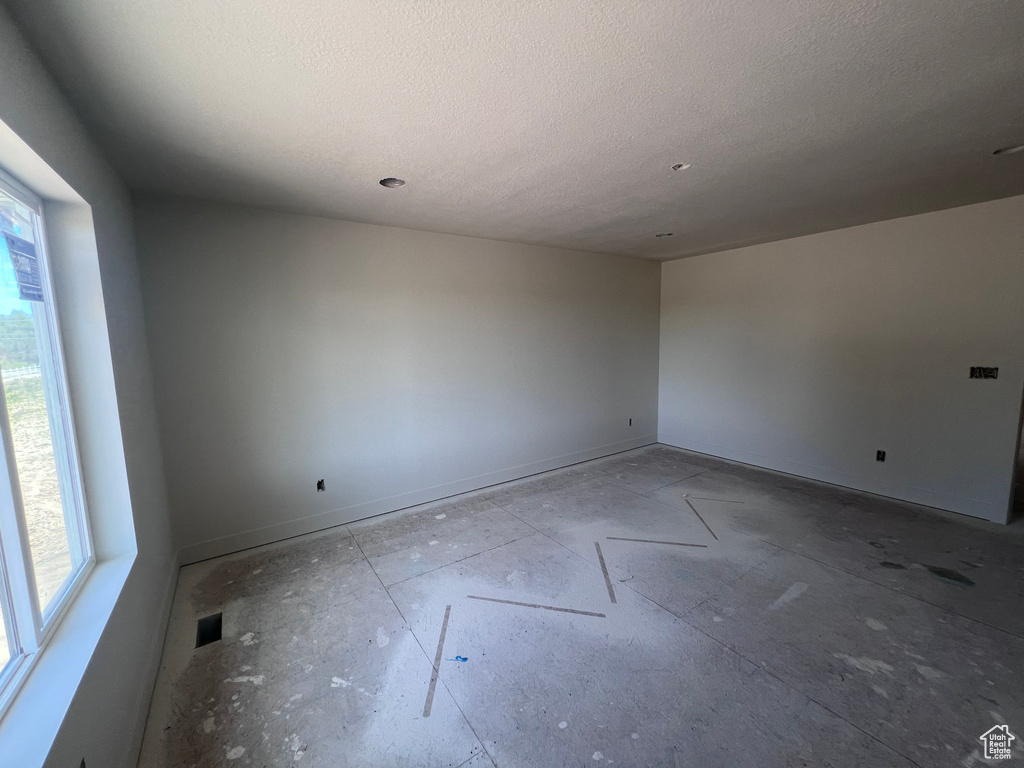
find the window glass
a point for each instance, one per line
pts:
(33, 407)
(5, 650)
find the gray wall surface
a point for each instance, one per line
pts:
(400, 366)
(808, 355)
(105, 719)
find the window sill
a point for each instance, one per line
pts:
(28, 729)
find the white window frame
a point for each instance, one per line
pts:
(30, 626)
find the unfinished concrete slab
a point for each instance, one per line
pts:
(654, 608)
(895, 544)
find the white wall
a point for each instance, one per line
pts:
(808, 355)
(96, 277)
(400, 366)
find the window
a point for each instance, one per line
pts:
(44, 536)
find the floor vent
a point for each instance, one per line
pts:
(208, 630)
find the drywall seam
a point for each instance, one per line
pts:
(898, 491)
(266, 535)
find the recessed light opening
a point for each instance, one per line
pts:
(664, 234)
(392, 183)
(1009, 150)
(681, 166)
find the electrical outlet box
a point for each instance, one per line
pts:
(879, 455)
(320, 486)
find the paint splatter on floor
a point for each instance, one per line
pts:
(789, 595)
(864, 664)
(929, 673)
(254, 679)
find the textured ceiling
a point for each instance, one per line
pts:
(555, 122)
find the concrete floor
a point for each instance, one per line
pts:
(804, 625)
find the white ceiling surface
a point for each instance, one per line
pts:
(555, 123)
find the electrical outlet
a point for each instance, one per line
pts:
(631, 422)
(879, 455)
(320, 486)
